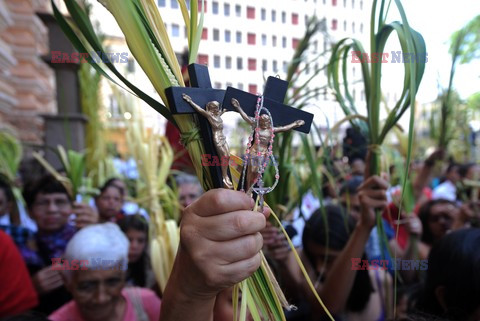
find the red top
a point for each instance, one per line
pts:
(17, 294)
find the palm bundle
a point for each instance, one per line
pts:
(73, 178)
(147, 39)
(412, 44)
(154, 156)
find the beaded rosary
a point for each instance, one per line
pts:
(258, 181)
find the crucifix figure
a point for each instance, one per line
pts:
(258, 151)
(280, 118)
(203, 95)
(213, 114)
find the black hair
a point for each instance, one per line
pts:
(454, 263)
(111, 183)
(137, 271)
(452, 166)
(333, 224)
(463, 169)
(45, 185)
(424, 215)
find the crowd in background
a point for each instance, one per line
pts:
(369, 259)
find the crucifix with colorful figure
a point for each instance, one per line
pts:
(267, 115)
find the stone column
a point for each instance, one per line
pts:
(67, 127)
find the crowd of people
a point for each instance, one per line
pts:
(368, 258)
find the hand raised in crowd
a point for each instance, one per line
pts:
(47, 280)
(85, 215)
(465, 215)
(372, 195)
(414, 225)
(275, 244)
(220, 245)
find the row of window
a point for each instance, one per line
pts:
(251, 88)
(334, 3)
(250, 11)
(334, 26)
(228, 63)
(251, 38)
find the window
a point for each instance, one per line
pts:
(238, 10)
(205, 34)
(238, 36)
(284, 42)
(274, 16)
(295, 43)
(334, 24)
(345, 25)
(334, 3)
(275, 66)
(228, 62)
(274, 41)
(263, 13)
(216, 35)
(131, 65)
(161, 3)
(228, 36)
(202, 59)
(200, 8)
(250, 12)
(252, 64)
(284, 17)
(229, 84)
(353, 4)
(344, 3)
(252, 89)
(214, 7)
(226, 9)
(362, 95)
(251, 38)
(361, 5)
(240, 86)
(239, 63)
(294, 19)
(217, 85)
(216, 61)
(175, 30)
(353, 27)
(361, 28)
(285, 66)
(174, 4)
(264, 65)
(264, 40)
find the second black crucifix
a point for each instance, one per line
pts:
(268, 115)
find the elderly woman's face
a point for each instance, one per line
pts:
(98, 293)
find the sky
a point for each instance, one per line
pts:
(436, 20)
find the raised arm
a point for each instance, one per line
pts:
(288, 127)
(197, 108)
(214, 253)
(245, 117)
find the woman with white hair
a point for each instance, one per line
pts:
(94, 265)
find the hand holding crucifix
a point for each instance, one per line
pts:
(213, 114)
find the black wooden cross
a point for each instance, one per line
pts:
(202, 93)
(273, 96)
